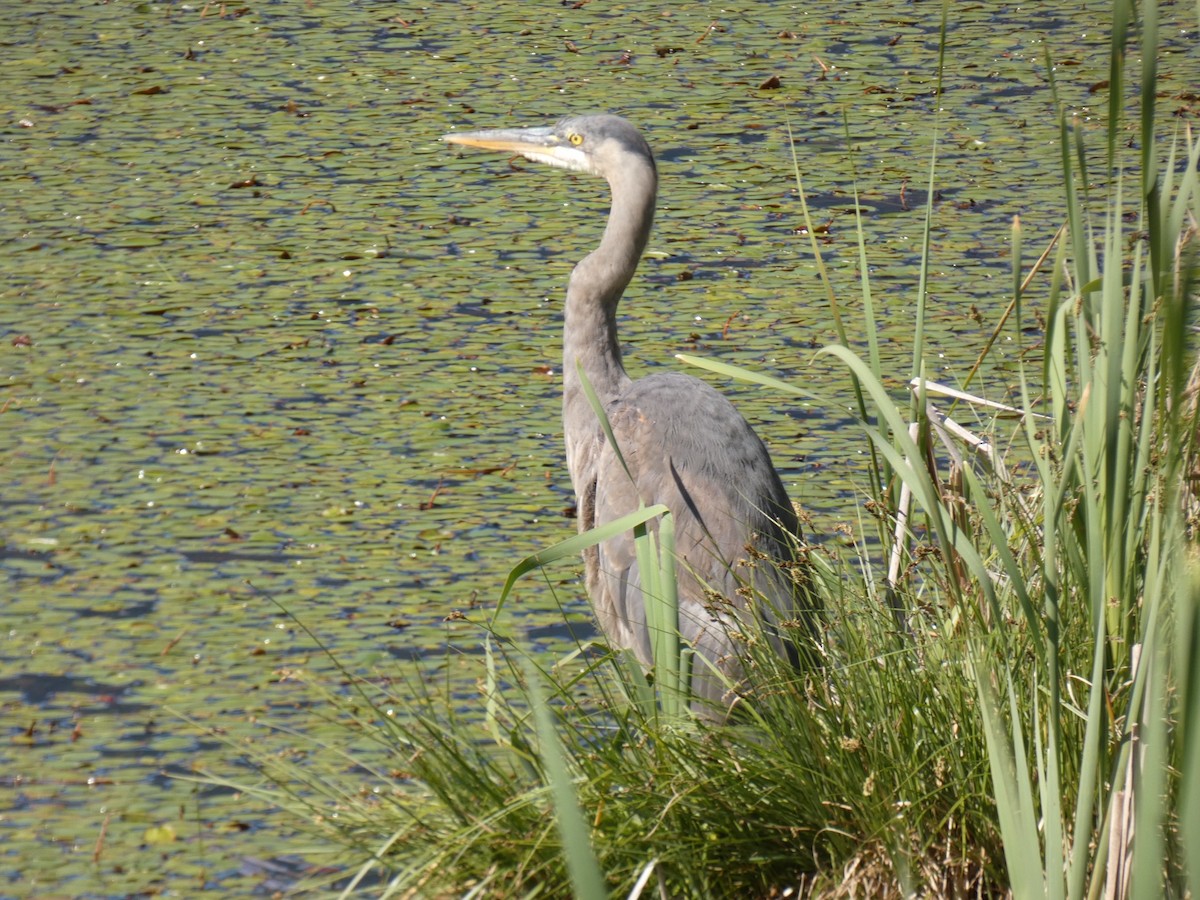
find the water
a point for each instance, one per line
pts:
(263, 336)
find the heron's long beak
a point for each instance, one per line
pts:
(538, 144)
(506, 140)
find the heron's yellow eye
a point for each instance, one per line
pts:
(575, 138)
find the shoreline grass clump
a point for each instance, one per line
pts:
(1012, 708)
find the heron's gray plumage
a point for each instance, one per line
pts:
(683, 442)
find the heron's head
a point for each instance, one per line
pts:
(598, 145)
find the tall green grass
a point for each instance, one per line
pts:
(1083, 734)
(1014, 707)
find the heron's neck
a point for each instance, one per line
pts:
(590, 331)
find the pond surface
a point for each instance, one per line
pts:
(263, 336)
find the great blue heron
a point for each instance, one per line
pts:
(684, 444)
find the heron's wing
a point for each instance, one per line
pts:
(688, 448)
